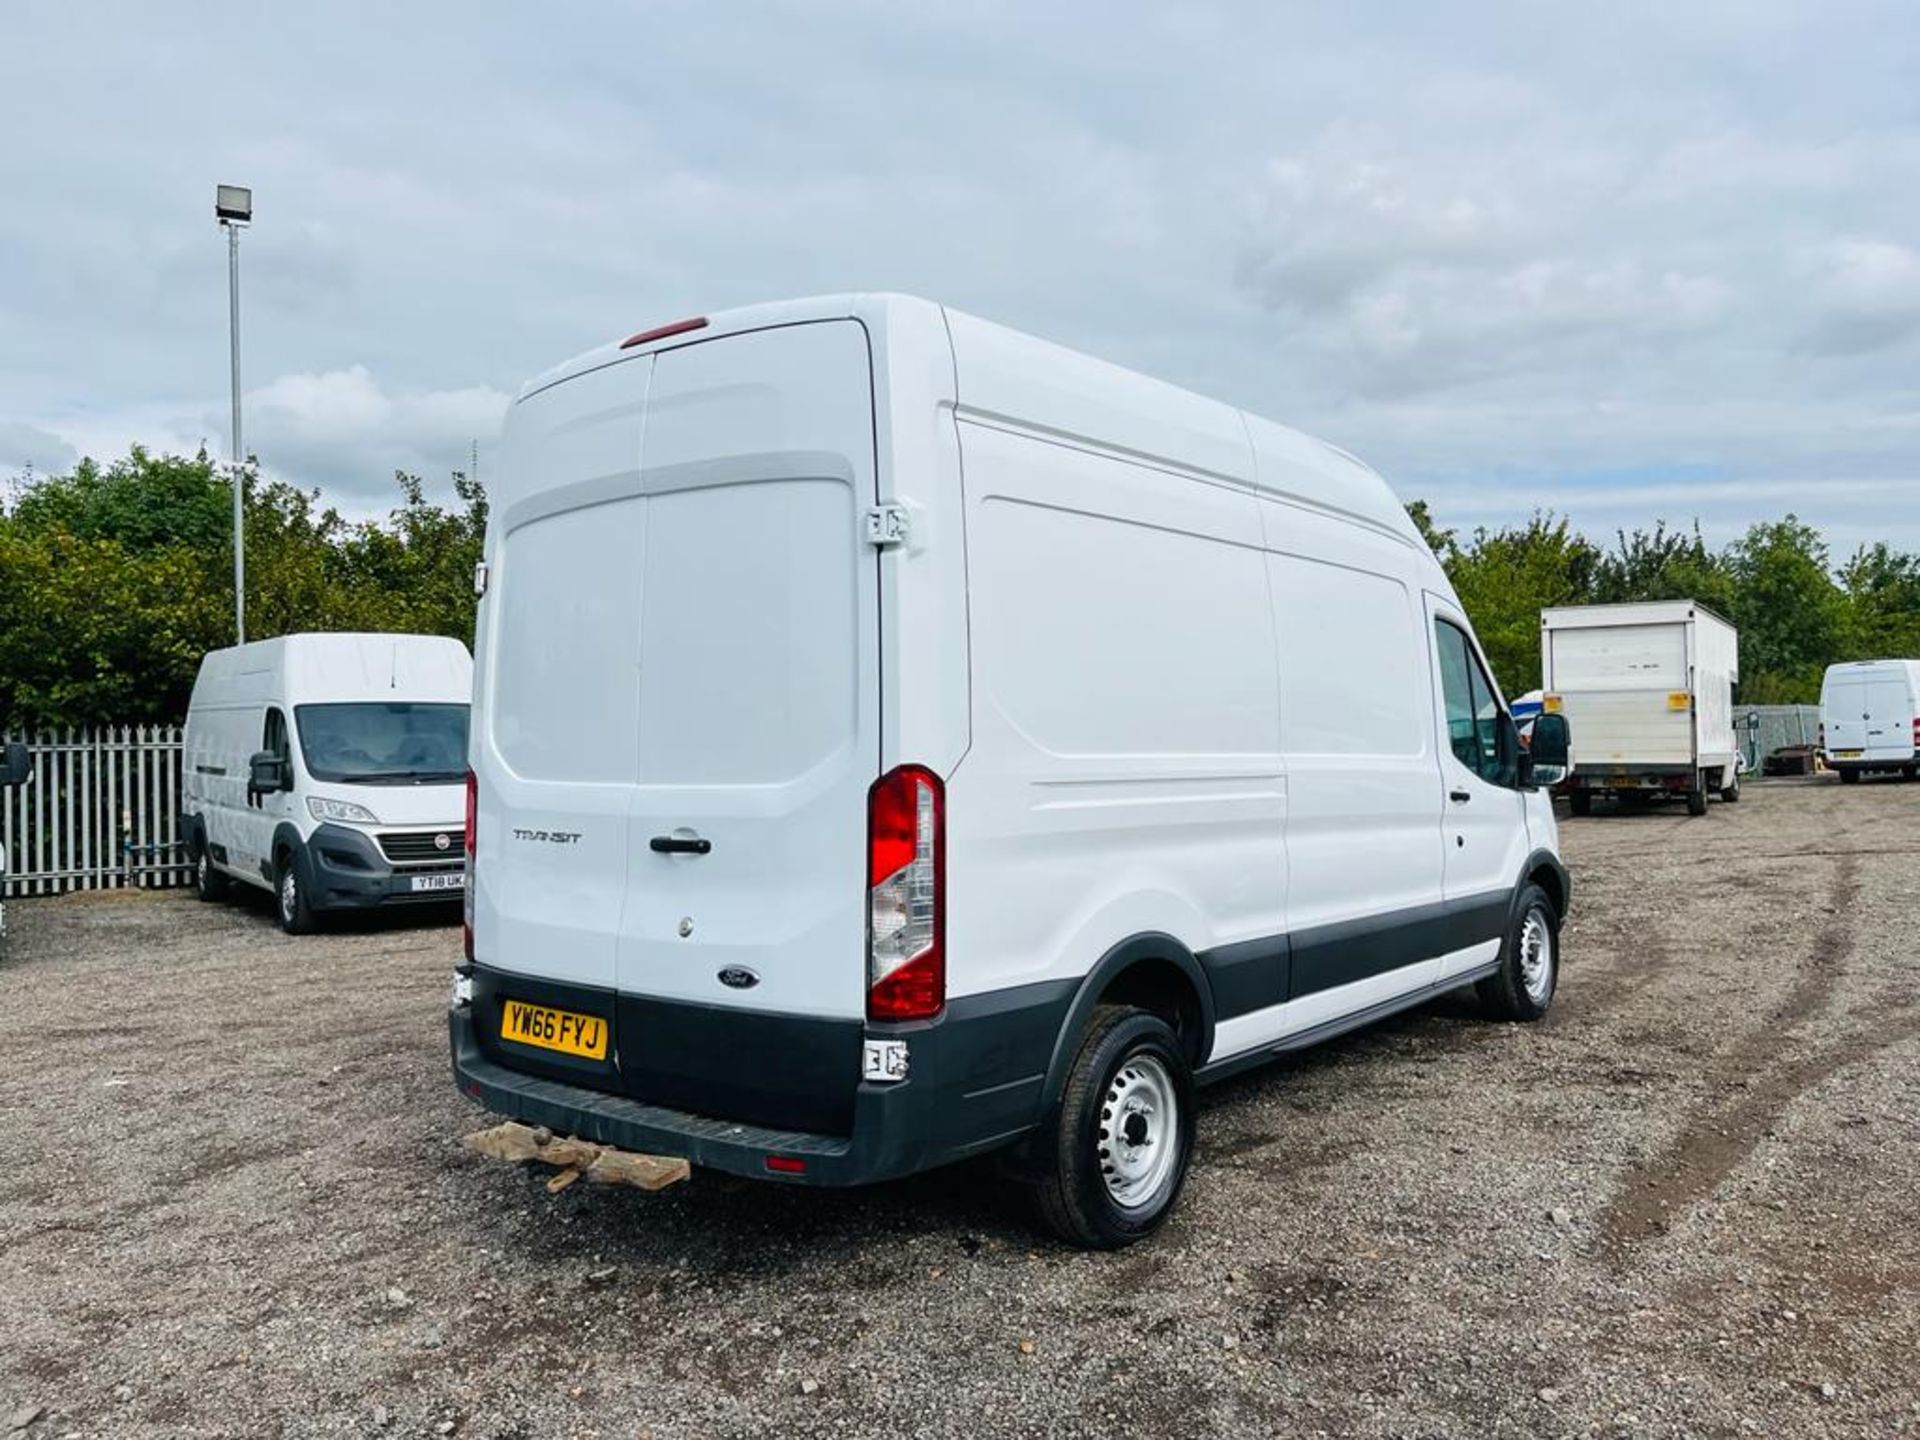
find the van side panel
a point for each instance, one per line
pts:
(1124, 775)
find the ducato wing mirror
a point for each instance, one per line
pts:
(1549, 751)
(267, 774)
(14, 766)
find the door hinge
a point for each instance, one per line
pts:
(886, 526)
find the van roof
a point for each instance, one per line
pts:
(313, 668)
(1009, 375)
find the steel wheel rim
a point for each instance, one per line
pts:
(289, 893)
(1536, 956)
(1139, 1132)
(202, 870)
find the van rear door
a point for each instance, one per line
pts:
(758, 732)
(1890, 711)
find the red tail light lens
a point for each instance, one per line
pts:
(906, 905)
(466, 920)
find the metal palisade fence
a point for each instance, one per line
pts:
(100, 810)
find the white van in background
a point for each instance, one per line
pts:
(897, 738)
(1870, 717)
(328, 769)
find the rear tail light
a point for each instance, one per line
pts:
(786, 1165)
(466, 923)
(662, 332)
(906, 906)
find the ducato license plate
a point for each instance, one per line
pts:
(455, 881)
(550, 1029)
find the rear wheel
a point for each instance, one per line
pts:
(1849, 777)
(1581, 802)
(1523, 987)
(208, 883)
(1123, 1134)
(1697, 796)
(290, 897)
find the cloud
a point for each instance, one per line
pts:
(1508, 254)
(25, 447)
(1868, 297)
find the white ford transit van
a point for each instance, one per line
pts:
(897, 739)
(1870, 717)
(328, 769)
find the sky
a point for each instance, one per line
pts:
(1629, 262)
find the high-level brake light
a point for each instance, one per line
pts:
(662, 332)
(906, 906)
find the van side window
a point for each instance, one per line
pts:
(275, 739)
(1476, 728)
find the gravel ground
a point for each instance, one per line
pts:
(235, 1205)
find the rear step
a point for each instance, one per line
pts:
(605, 1164)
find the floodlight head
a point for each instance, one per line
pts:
(233, 204)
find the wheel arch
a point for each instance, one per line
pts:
(1153, 971)
(1545, 869)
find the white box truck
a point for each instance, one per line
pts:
(1870, 717)
(1648, 689)
(896, 739)
(329, 769)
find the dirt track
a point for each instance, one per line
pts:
(1688, 1204)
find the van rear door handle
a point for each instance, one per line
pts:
(679, 845)
(1460, 797)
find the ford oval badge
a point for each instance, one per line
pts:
(738, 977)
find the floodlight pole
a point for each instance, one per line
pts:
(238, 454)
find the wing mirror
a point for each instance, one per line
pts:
(1549, 751)
(267, 774)
(14, 766)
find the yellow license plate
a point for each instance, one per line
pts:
(550, 1029)
(1848, 754)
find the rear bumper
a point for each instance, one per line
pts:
(346, 871)
(974, 1084)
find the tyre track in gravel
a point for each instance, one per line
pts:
(1755, 1082)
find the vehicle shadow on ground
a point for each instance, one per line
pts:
(421, 915)
(723, 1227)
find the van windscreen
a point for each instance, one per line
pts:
(384, 742)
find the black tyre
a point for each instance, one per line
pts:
(1581, 802)
(1849, 777)
(290, 905)
(1523, 987)
(1697, 797)
(208, 883)
(1123, 1134)
(1730, 792)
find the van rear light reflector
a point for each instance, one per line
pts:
(661, 332)
(786, 1165)
(906, 905)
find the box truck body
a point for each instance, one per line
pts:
(1648, 691)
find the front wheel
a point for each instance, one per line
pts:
(1522, 988)
(1123, 1134)
(290, 897)
(1730, 792)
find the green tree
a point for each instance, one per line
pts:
(116, 580)
(1792, 615)
(1883, 603)
(1506, 577)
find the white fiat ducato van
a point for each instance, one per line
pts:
(1870, 717)
(328, 769)
(897, 739)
